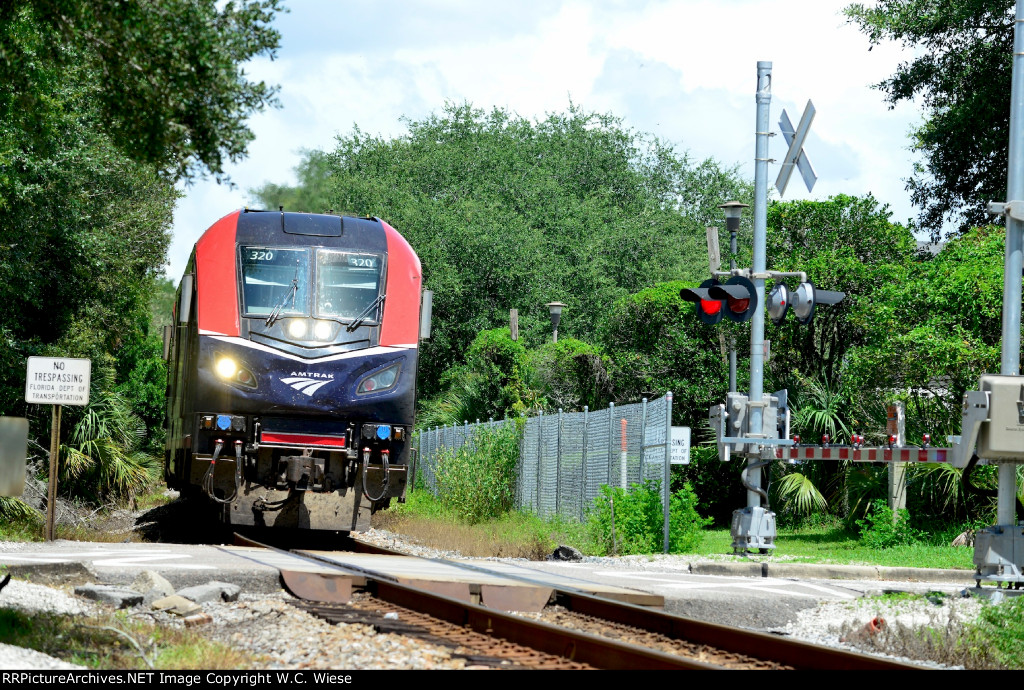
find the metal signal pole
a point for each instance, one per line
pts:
(760, 264)
(1006, 512)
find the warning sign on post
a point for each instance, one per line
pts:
(58, 381)
(680, 445)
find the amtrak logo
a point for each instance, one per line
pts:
(308, 382)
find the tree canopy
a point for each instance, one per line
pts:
(103, 105)
(844, 243)
(961, 72)
(166, 77)
(509, 213)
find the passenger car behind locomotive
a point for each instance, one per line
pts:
(292, 369)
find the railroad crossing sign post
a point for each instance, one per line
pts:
(749, 423)
(56, 381)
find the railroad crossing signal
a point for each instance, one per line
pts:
(709, 309)
(735, 299)
(796, 156)
(739, 296)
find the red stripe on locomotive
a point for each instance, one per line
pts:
(303, 439)
(401, 321)
(217, 286)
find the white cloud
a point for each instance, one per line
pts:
(682, 70)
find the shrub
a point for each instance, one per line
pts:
(880, 529)
(478, 481)
(632, 522)
(999, 633)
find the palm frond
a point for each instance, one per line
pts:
(799, 494)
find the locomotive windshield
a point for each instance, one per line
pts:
(347, 284)
(277, 281)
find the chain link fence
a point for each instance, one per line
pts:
(565, 458)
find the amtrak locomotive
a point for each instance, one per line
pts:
(292, 369)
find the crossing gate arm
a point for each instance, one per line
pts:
(858, 454)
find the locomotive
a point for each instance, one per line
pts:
(291, 369)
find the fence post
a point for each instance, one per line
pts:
(558, 466)
(623, 457)
(583, 462)
(611, 446)
(540, 456)
(667, 490)
(643, 436)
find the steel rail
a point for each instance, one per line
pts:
(795, 653)
(603, 652)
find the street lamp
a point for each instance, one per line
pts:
(555, 309)
(733, 211)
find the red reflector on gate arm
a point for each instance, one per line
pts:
(302, 439)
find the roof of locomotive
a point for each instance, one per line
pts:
(277, 227)
(217, 246)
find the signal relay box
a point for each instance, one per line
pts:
(1002, 438)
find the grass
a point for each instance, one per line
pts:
(515, 535)
(527, 536)
(26, 524)
(838, 546)
(115, 642)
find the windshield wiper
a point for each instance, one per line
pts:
(358, 321)
(293, 290)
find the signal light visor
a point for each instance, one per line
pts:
(709, 309)
(778, 303)
(740, 298)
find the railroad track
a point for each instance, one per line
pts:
(575, 631)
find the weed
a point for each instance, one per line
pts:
(113, 641)
(426, 520)
(478, 480)
(999, 633)
(883, 529)
(632, 522)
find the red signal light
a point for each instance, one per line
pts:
(709, 309)
(740, 297)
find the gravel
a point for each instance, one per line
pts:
(281, 636)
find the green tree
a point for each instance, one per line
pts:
(103, 106)
(570, 374)
(508, 213)
(492, 383)
(961, 74)
(166, 76)
(657, 344)
(934, 331)
(847, 244)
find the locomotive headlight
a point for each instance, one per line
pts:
(380, 380)
(226, 367)
(297, 328)
(322, 330)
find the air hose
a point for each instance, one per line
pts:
(366, 463)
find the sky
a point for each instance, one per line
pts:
(684, 71)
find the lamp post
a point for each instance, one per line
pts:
(733, 211)
(555, 309)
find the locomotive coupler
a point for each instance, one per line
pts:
(304, 471)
